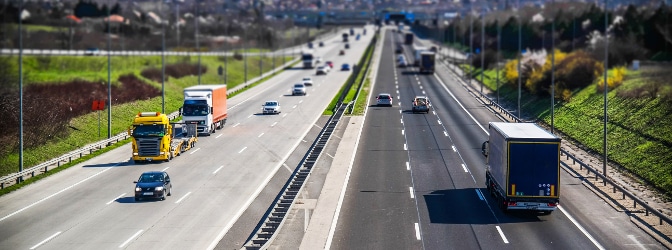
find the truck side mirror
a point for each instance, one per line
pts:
(484, 148)
(179, 111)
(212, 110)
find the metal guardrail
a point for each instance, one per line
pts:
(274, 218)
(67, 158)
(615, 187)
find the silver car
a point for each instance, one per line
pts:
(384, 99)
(270, 107)
(299, 89)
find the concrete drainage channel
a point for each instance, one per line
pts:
(275, 217)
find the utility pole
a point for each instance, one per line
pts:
(499, 49)
(163, 60)
(20, 90)
(553, 71)
(482, 49)
(198, 45)
(606, 87)
(109, 75)
(520, 55)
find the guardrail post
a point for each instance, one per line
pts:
(58, 163)
(32, 174)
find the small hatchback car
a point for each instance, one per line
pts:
(384, 99)
(153, 185)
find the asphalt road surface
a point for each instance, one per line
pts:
(91, 205)
(418, 180)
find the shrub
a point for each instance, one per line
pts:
(511, 72)
(578, 70)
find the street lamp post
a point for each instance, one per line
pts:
(20, 90)
(520, 55)
(606, 86)
(482, 49)
(198, 45)
(109, 75)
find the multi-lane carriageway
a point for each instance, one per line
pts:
(416, 181)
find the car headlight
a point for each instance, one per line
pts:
(137, 189)
(158, 188)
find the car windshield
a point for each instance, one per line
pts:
(153, 130)
(150, 177)
(195, 108)
(298, 85)
(271, 104)
(307, 78)
(384, 97)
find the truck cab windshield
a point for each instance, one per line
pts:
(195, 108)
(307, 57)
(149, 130)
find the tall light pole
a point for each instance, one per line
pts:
(606, 86)
(552, 71)
(163, 60)
(198, 45)
(520, 55)
(471, 42)
(499, 48)
(109, 74)
(20, 89)
(482, 49)
(245, 53)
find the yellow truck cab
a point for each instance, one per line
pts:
(153, 137)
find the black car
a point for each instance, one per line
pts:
(153, 185)
(321, 44)
(347, 45)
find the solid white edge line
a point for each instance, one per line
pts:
(46, 240)
(54, 194)
(445, 133)
(192, 152)
(454, 148)
(417, 231)
(583, 230)
(110, 202)
(465, 168)
(130, 239)
(183, 197)
(458, 102)
(501, 234)
(242, 150)
(217, 170)
(410, 189)
(334, 221)
(480, 195)
(408, 166)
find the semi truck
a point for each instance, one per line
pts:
(408, 39)
(308, 59)
(427, 62)
(205, 105)
(522, 167)
(155, 138)
(417, 54)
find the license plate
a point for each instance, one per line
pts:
(532, 207)
(148, 193)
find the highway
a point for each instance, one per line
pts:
(90, 206)
(418, 180)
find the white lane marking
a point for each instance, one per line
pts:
(420, 86)
(480, 195)
(242, 150)
(300, 101)
(273, 125)
(576, 223)
(219, 136)
(398, 97)
(423, 92)
(250, 115)
(637, 243)
(454, 148)
(130, 239)
(397, 91)
(217, 170)
(400, 111)
(408, 166)
(165, 169)
(417, 231)
(287, 167)
(236, 125)
(439, 122)
(280, 95)
(410, 189)
(260, 135)
(110, 202)
(330, 155)
(502, 235)
(458, 102)
(46, 240)
(402, 120)
(284, 115)
(445, 133)
(192, 152)
(402, 132)
(405, 147)
(183, 197)
(54, 194)
(465, 168)
(294, 106)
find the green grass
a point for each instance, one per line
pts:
(36, 28)
(62, 69)
(639, 129)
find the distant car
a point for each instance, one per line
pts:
(322, 70)
(342, 52)
(402, 63)
(270, 107)
(92, 52)
(299, 89)
(307, 81)
(347, 45)
(321, 44)
(420, 104)
(345, 67)
(401, 58)
(399, 49)
(384, 99)
(310, 45)
(153, 185)
(330, 63)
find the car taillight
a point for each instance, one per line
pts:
(552, 204)
(511, 204)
